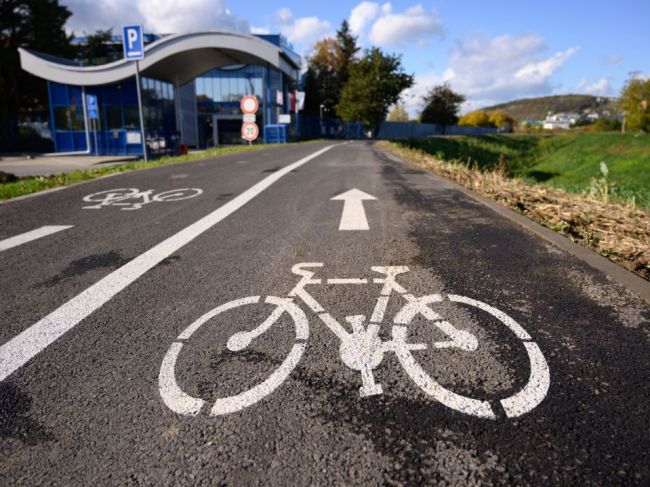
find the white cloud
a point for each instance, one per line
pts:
(302, 32)
(611, 60)
(602, 87)
(158, 16)
(415, 24)
(490, 70)
(362, 15)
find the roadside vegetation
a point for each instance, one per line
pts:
(593, 188)
(12, 187)
(570, 161)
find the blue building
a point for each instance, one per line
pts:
(191, 86)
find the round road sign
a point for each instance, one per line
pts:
(249, 104)
(250, 131)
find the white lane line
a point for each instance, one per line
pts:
(32, 235)
(20, 349)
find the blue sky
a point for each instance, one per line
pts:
(492, 51)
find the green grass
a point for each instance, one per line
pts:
(33, 184)
(568, 161)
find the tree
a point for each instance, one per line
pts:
(477, 118)
(328, 71)
(501, 120)
(376, 82)
(33, 24)
(442, 106)
(321, 83)
(95, 51)
(398, 114)
(635, 104)
(347, 52)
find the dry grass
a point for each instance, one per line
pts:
(619, 232)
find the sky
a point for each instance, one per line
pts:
(491, 51)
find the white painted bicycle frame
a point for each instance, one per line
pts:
(128, 197)
(361, 349)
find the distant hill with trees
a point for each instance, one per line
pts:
(538, 108)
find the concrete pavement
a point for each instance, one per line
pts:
(44, 166)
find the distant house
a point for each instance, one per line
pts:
(561, 120)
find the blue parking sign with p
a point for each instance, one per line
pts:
(133, 42)
(91, 107)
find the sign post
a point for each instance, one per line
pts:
(249, 106)
(93, 116)
(133, 42)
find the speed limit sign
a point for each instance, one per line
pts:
(249, 104)
(250, 131)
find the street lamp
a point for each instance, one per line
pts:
(322, 127)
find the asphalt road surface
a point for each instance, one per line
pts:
(238, 326)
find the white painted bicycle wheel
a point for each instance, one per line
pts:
(178, 194)
(182, 403)
(522, 402)
(110, 194)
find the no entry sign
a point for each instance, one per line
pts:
(249, 104)
(250, 131)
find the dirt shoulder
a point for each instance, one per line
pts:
(618, 232)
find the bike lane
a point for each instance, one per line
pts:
(40, 275)
(94, 394)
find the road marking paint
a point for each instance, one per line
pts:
(536, 388)
(20, 349)
(182, 403)
(361, 349)
(134, 199)
(172, 395)
(347, 281)
(354, 214)
(32, 235)
(498, 314)
(467, 405)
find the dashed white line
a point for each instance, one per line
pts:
(24, 346)
(32, 235)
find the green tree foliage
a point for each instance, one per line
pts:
(328, 70)
(442, 105)
(32, 24)
(95, 50)
(347, 52)
(376, 82)
(635, 103)
(398, 114)
(321, 83)
(606, 125)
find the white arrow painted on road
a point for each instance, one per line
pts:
(354, 214)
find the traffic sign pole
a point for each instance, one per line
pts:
(95, 136)
(133, 44)
(86, 124)
(142, 132)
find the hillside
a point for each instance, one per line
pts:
(538, 108)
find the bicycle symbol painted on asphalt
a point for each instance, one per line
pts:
(361, 349)
(134, 199)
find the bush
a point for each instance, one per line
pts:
(606, 125)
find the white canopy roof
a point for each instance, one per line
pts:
(177, 59)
